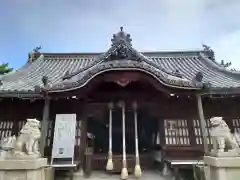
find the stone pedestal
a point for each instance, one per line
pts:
(28, 169)
(222, 168)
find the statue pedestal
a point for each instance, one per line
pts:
(222, 168)
(23, 169)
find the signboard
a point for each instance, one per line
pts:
(64, 136)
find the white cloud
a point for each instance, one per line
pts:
(227, 48)
(60, 25)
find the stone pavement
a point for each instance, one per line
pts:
(148, 175)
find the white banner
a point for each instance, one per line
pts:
(64, 136)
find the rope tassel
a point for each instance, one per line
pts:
(137, 169)
(124, 172)
(109, 166)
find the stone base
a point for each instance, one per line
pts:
(229, 153)
(30, 169)
(222, 168)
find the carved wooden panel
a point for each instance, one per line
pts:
(176, 132)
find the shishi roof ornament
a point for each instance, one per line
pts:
(121, 37)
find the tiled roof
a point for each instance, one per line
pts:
(77, 67)
(55, 67)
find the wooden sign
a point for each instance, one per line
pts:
(64, 136)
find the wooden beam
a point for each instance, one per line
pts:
(202, 123)
(44, 125)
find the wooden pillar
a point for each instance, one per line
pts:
(161, 131)
(202, 123)
(44, 125)
(83, 143)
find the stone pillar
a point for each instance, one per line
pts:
(137, 169)
(109, 166)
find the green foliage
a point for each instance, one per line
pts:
(4, 68)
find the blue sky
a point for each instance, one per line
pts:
(88, 25)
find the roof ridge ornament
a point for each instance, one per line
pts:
(34, 54)
(121, 37)
(208, 52)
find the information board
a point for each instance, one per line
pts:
(64, 136)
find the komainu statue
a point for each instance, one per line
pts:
(26, 144)
(222, 138)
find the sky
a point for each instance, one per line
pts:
(88, 25)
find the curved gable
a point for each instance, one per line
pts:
(122, 56)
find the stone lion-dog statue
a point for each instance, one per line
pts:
(222, 138)
(26, 144)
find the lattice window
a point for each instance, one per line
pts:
(20, 125)
(78, 133)
(197, 131)
(209, 139)
(6, 128)
(176, 132)
(236, 125)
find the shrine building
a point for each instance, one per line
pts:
(129, 101)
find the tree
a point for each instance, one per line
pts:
(4, 68)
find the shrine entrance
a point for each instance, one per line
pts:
(122, 141)
(99, 128)
(147, 135)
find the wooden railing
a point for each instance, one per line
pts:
(184, 152)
